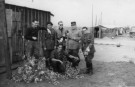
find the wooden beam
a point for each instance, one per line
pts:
(4, 44)
(45, 19)
(28, 21)
(24, 26)
(31, 15)
(34, 14)
(42, 19)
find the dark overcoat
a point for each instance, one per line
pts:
(50, 39)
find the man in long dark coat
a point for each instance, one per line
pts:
(49, 42)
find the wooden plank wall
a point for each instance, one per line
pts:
(22, 19)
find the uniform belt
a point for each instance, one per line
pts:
(74, 40)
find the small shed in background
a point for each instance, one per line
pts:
(132, 32)
(101, 31)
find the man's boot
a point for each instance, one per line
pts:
(89, 69)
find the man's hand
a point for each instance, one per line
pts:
(44, 48)
(54, 47)
(85, 53)
(60, 61)
(61, 39)
(22, 37)
(34, 38)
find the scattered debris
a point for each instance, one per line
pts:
(35, 71)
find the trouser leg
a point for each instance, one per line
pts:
(54, 66)
(61, 68)
(75, 62)
(36, 49)
(48, 59)
(58, 67)
(64, 48)
(89, 65)
(29, 49)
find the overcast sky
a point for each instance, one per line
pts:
(114, 12)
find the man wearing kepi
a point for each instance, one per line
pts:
(50, 41)
(32, 37)
(61, 34)
(87, 45)
(73, 38)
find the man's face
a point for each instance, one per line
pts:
(60, 47)
(49, 26)
(60, 25)
(73, 27)
(84, 29)
(35, 24)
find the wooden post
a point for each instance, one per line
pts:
(23, 29)
(92, 24)
(4, 44)
(9, 15)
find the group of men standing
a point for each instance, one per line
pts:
(60, 45)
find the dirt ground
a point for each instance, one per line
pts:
(107, 51)
(113, 67)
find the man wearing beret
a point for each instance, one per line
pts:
(49, 43)
(87, 45)
(73, 45)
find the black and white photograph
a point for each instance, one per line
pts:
(67, 43)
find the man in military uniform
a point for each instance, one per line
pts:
(61, 34)
(73, 38)
(49, 42)
(32, 37)
(87, 45)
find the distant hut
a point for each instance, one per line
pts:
(121, 30)
(132, 32)
(101, 31)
